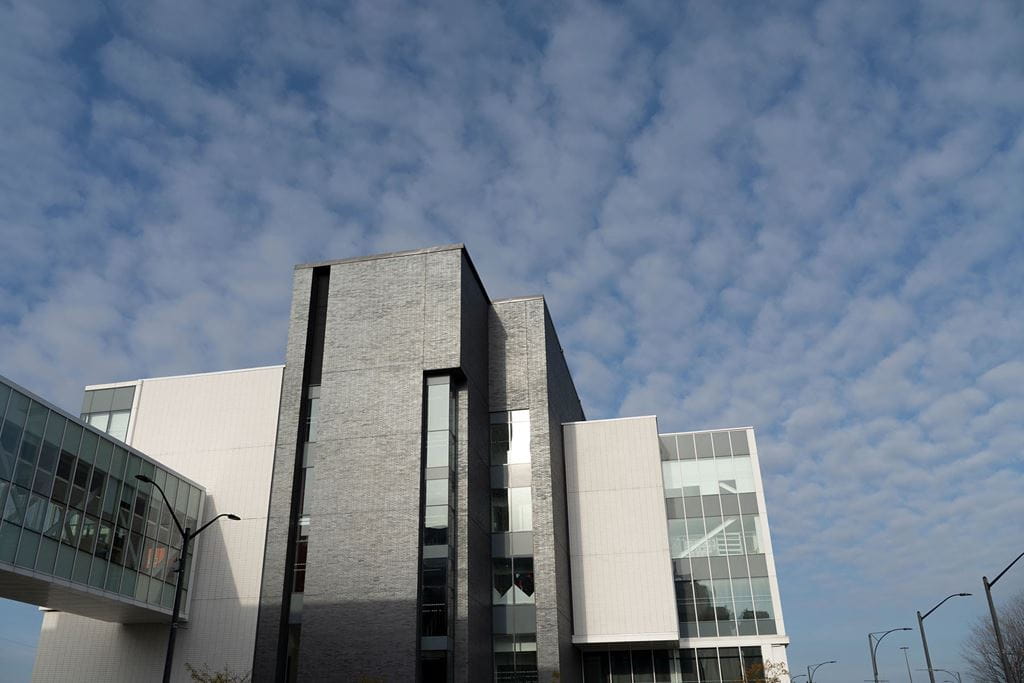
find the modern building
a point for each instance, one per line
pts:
(422, 499)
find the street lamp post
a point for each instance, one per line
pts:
(995, 619)
(812, 669)
(906, 656)
(924, 640)
(187, 535)
(873, 644)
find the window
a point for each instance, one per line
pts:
(520, 509)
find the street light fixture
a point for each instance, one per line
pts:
(793, 678)
(812, 670)
(995, 619)
(924, 640)
(906, 656)
(873, 644)
(187, 535)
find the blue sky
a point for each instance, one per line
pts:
(804, 216)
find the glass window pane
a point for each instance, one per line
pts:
(119, 425)
(27, 549)
(9, 534)
(620, 667)
(762, 596)
(643, 666)
(437, 491)
(437, 449)
(500, 436)
(10, 436)
(707, 664)
(98, 420)
(501, 584)
(520, 509)
(721, 443)
(667, 446)
(687, 451)
(35, 514)
(672, 476)
(54, 520)
(47, 555)
(51, 442)
(743, 473)
(499, 510)
(16, 506)
(102, 400)
(519, 444)
(65, 562)
(595, 667)
(703, 444)
(729, 661)
(83, 562)
(662, 667)
(438, 402)
(122, 399)
(435, 530)
(739, 442)
(87, 450)
(523, 580)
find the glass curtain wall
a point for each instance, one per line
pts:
(716, 535)
(514, 619)
(437, 569)
(703, 665)
(108, 410)
(73, 509)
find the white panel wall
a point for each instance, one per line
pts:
(622, 590)
(219, 430)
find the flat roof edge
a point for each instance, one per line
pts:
(611, 419)
(385, 255)
(131, 382)
(710, 429)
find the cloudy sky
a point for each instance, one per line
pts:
(804, 216)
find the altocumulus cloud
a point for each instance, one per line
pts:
(805, 216)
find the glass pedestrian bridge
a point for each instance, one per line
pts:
(79, 533)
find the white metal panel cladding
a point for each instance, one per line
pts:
(618, 533)
(218, 429)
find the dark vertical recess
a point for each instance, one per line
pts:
(312, 372)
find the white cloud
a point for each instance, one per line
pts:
(805, 221)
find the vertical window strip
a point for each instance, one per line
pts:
(514, 620)
(437, 569)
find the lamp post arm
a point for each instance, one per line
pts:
(940, 604)
(999, 576)
(203, 527)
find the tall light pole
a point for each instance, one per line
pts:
(187, 535)
(924, 640)
(874, 640)
(812, 669)
(995, 619)
(910, 676)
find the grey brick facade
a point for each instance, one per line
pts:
(390, 319)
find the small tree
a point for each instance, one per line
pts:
(981, 652)
(768, 672)
(203, 674)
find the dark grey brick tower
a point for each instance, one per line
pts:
(384, 560)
